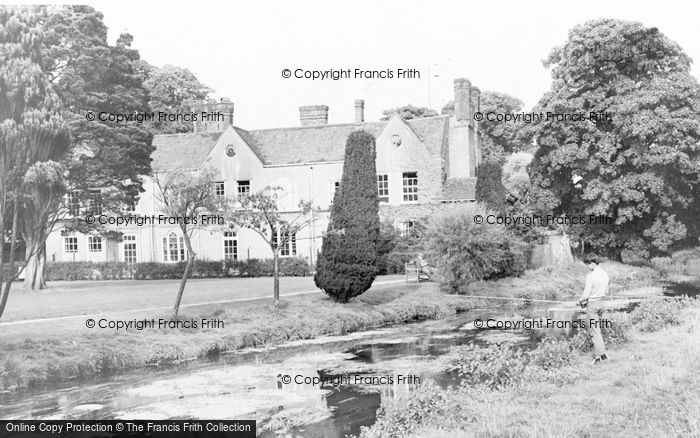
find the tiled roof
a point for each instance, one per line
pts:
(280, 146)
(182, 151)
(313, 144)
(459, 189)
(307, 144)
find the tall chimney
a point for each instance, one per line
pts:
(313, 115)
(462, 98)
(359, 111)
(211, 121)
(475, 99)
(226, 107)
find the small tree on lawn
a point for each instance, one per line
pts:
(188, 195)
(261, 213)
(347, 265)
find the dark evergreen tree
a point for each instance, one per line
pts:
(347, 265)
(490, 190)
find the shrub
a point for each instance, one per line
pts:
(86, 271)
(292, 266)
(430, 405)
(467, 251)
(663, 264)
(494, 365)
(551, 353)
(653, 315)
(347, 265)
(395, 263)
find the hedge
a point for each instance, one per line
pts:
(291, 267)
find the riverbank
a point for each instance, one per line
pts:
(648, 387)
(68, 350)
(53, 357)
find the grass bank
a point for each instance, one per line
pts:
(566, 283)
(649, 387)
(56, 357)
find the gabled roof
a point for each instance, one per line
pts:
(283, 146)
(182, 151)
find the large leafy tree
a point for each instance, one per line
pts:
(639, 164)
(89, 74)
(347, 265)
(33, 135)
(409, 112)
(174, 90)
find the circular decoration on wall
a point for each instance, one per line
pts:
(395, 140)
(230, 150)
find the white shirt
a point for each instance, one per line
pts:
(596, 285)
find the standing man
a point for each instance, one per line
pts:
(592, 301)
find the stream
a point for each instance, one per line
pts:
(275, 385)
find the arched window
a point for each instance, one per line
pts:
(173, 248)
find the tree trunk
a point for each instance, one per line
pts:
(276, 275)
(34, 271)
(185, 276)
(5, 286)
(190, 261)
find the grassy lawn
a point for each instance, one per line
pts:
(92, 297)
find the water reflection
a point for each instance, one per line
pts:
(250, 385)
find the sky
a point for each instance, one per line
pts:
(241, 48)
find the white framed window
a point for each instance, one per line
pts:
(230, 246)
(220, 188)
(95, 202)
(383, 188)
(73, 202)
(288, 245)
(174, 248)
(94, 244)
(410, 186)
(129, 244)
(243, 187)
(406, 227)
(70, 244)
(333, 187)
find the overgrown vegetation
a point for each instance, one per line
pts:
(490, 190)
(509, 389)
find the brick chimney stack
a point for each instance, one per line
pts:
(214, 123)
(462, 100)
(475, 99)
(359, 111)
(313, 115)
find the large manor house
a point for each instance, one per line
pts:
(422, 163)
